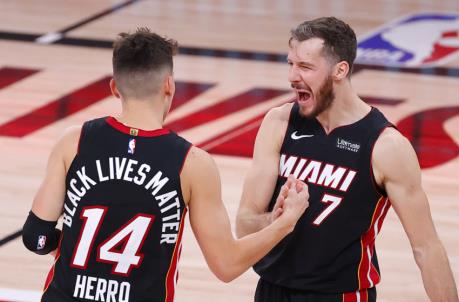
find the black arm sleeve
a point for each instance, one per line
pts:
(40, 236)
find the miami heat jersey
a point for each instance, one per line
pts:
(332, 248)
(123, 216)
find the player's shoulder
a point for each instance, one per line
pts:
(199, 158)
(279, 114)
(199, 165)
(199, 170)
(66, 145)
(391, 140)
(72, 132)
(393, 153)
(69, 136)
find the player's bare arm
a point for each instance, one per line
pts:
(397, 170)
(261, 179)
(226, 256)
(48, 202)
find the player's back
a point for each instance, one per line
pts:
(123, 216)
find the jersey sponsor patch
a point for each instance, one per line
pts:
(418, 40)
(347, 145)
(131, 146)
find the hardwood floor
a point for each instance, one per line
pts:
(236, 73)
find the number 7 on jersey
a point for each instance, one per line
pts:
(334, 203)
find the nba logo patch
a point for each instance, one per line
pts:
(419, 40)
(131, 146)
(41, 242)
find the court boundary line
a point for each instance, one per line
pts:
(19, 295)
(11, 237)
(230, 54)
(54, 36)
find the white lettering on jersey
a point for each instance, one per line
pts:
(99, 289)
(156, 183)
(347, 181)
(299, 167)
(80, 192)
(119, 167)
(331, 177)
(102, 178)
(85, 179)
(139, 180)
(287, 166)
(316, 172)
(128, 170)
(312, 170)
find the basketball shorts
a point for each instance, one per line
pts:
(268, 292)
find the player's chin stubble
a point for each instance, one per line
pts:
(324, 98)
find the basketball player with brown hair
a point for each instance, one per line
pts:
(123, 186)
(356, 165)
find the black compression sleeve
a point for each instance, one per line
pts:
(40, 236)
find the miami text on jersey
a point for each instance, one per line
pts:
(316, 172)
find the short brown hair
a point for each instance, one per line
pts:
(340, 42)
(139, 59)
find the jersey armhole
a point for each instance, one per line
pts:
(184, 159)
(290, 120)
(79, 141)
(187, 152)
(378, 189)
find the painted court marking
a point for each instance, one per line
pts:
(19, 295)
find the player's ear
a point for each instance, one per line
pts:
(169, 91)
(114, 89)
(340, 71)
(169, 86)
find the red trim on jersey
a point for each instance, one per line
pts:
(364, 296)
(350, 297)
(357, 296)
(374, 275)
(127, 130)
(367, 273)
(172, 273)
(50, 276)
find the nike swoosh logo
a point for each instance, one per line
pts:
(295, 136)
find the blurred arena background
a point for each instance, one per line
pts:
(55, 64)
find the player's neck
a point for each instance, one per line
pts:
(141, 114)
(347, 108)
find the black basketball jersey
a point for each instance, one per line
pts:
(332, 248)
(123, 216)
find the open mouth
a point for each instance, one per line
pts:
(303, 95)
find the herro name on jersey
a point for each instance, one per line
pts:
(99, 289)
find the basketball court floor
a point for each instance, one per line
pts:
(55, 64)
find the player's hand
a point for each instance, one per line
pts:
(292, 201)
(283, 193)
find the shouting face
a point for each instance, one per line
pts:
(310, 76)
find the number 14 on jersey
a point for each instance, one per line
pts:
(132, 235)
